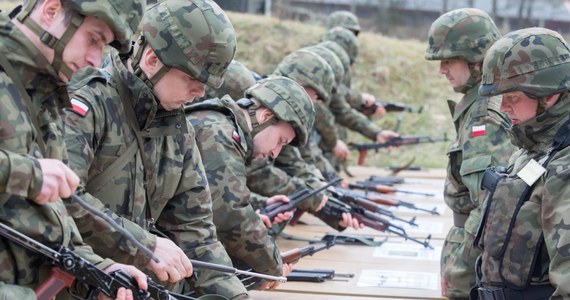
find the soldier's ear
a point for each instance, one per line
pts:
(551, 100)
(263, 114)
(150, 62)
(48, 12)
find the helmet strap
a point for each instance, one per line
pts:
(474, 78)
(135, 63)
(541, 108)
(251, 111)
(58, 45)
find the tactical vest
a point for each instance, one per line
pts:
(511, 232)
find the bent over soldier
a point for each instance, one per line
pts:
(524, 231)
(33, 178)
(275, 112)
(459, 40)
(130, 143)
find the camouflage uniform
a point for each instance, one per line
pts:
(481, 141)
(523, 232)
(164, 186)
(226, 143)
(20, 173)
(237, 79)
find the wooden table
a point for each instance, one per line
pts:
(398, 269)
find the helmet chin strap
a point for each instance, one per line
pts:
(474, 78)
(135, 63)
(251, 109)
(58, 45)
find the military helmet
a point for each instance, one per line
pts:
(194, 36)
(289, 102)
(309, 70)
(462, 33)
(237, 79)
(535, 61)
(332, 60)
(343, 18)
(122, 16)
(345, 39)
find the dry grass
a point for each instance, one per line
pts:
(389, 68)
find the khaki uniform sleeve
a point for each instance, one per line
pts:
(325, 126)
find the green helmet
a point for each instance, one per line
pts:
(289, 102)
(345, 39)
(122, 16)
(194, 36)
(535, 61)
(344, 18)
(332, 60)
(339, 52)
(309, 70)
(237, 79)
(462, 33)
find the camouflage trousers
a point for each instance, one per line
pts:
(458, 264)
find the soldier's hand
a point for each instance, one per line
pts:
(344, 184)
(174, 264)
(122, 293)
(340, 150)
(367, 99)
(349, 221)
(58, 181)
(385, 135)
(270, 285)
(323, 203)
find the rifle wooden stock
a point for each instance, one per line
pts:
(294, 255)
(362, 157)
(57, 281)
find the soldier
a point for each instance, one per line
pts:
(40, 48)
(523, 231)
(275, 112)
(237, 79)
(135, 154)
(344, 18)
(459, 40)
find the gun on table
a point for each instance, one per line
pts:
(336, 208)
(384, 189)
(389, 107)
(388, 201)
(355, 199)
(276, 208)
(386, 180)
(293, 256)
(70, 269)
(316, 275)
(403, 140)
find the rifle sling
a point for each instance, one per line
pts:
(97, 182)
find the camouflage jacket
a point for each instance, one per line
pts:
(225, 141)
(351, 118)
(177, 201)
(481, 141)
(20, 173)
(530, 244)
(325, 126)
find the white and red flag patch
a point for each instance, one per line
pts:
(79, 107)
(236, 136)
(478, 130)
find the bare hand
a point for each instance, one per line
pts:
(122, 293)
(58, 181)
(270, 285)
(349, 221)
(368, 99)
(340, 150)
(385, 135)
(323, 203)
(174, 264)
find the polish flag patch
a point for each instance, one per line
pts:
(79, 107)
(236, 136)
(478, 130)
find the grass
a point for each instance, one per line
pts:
(391, 69)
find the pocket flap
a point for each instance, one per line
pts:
(475, 164)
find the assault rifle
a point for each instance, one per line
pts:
(403, 140)
(70, 270)
(380, 188)
(336, 208)
(388, 201)
(292, 256)
(276, 208)
(316, 275)
(357, 200)
(386, 180)
(389, 107)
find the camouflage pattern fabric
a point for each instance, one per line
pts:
(237, 79)
(20, 173)
(533, 251)
(225, 141)
(351, 118)
(343, 18)
(325, 127)
(179, 205)
(469, 155)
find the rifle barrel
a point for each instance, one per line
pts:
(221, 268)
